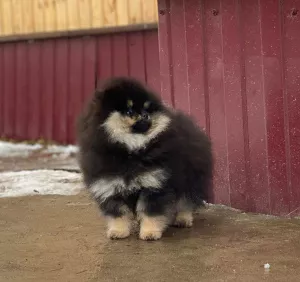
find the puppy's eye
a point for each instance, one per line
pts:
(129, 103)
(129, 113)
(146, 104)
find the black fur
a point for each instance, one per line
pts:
(183, 150)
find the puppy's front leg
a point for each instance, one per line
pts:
(154, 211)
(118, 217)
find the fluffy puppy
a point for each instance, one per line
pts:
(140, 158)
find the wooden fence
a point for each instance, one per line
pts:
(21, 17)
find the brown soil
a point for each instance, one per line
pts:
(39, 161)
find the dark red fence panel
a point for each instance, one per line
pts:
(45, 83)
(291, 82)
(235, 66)
(9, 87)
(1, 88)
(47, 74)
(132, 54)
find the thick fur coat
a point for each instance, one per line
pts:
(142, 159)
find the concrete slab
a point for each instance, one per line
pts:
(46, 238)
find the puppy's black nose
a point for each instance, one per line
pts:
(141, 126)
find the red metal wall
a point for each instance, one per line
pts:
(43, 84)
(235, 66)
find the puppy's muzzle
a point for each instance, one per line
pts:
(141, 126)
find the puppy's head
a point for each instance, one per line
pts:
(133, 115)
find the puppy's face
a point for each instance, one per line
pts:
(134, 115)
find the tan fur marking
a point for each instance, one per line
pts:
(129, 103)
(119, 130)
(118, 228)
(150, 179)
(146, 105)
(151, 228)
(107, 187)
(184, 219)
(128, 120)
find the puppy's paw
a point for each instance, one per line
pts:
(118, 228)
(115, 233)
(150, 235)
(183, 220)
(152, 227)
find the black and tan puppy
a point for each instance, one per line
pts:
(140, 158)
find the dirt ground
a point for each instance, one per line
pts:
(46, 238)
(62, 238)
(38, 161)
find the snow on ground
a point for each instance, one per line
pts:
(55, 149)
(43, 182)
(8, 149)
(13, 150)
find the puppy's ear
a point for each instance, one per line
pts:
(98, 94)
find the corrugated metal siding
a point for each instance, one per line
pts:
(44, 84)
(19, 17)
(235, 66)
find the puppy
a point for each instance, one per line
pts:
(142, 159)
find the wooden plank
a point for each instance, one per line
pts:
(17, 19)
(85, 14)
(97, 14)
(110, 12)
(150, 11)
(73, 16)
(28, 16)
(7, 17)
(38, 19)
(135, 11)
(61, 10)
(50, 15)
(57, 15)
(122, 12)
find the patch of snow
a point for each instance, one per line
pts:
(8, 149)
(39, 182)
(61, 152)
(12, 150)
(55, 149)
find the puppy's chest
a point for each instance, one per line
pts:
(127, 176)
(138, 171)
(137, 174)
(130, 165)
